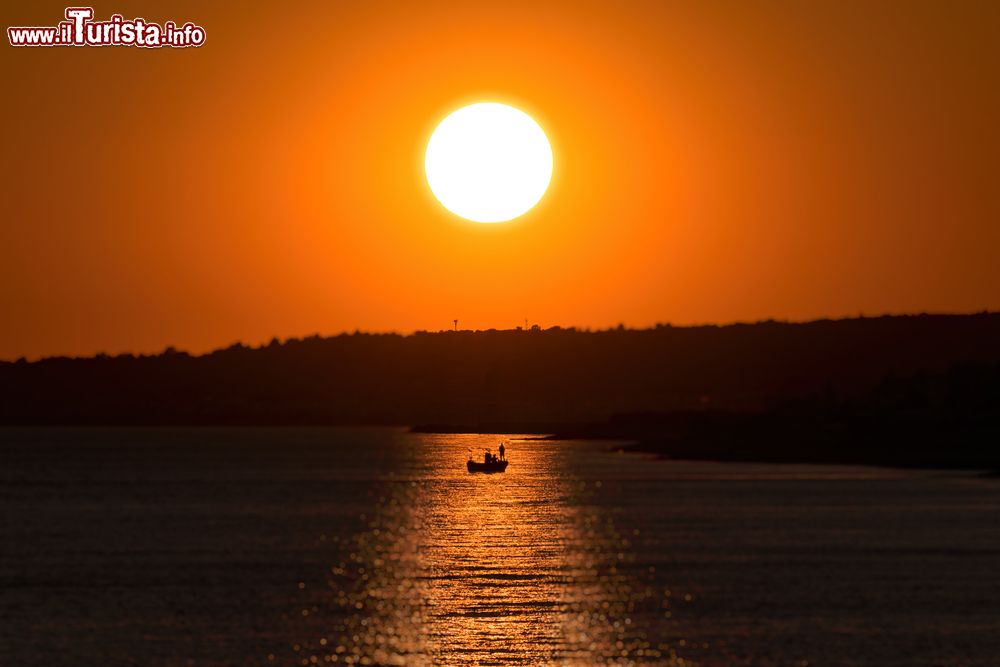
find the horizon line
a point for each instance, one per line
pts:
(534, 328)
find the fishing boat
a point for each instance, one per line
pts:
(490, 463)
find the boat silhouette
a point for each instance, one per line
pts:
(490, 463)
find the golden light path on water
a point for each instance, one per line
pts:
(484, 569)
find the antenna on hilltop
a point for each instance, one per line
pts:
(456, 324)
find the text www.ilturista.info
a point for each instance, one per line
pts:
(79, 29)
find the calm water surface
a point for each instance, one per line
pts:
(374, 546)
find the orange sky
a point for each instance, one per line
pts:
(713, 162)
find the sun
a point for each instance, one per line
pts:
(488, 162)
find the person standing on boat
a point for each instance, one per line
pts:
(501, 452)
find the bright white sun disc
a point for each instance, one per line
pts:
(488, 162)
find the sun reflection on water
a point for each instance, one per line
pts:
(460, 568)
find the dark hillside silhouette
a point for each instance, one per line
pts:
(940, 420)
(538, 379)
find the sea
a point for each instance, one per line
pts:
(317, 546)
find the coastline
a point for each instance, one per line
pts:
(883, 440)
